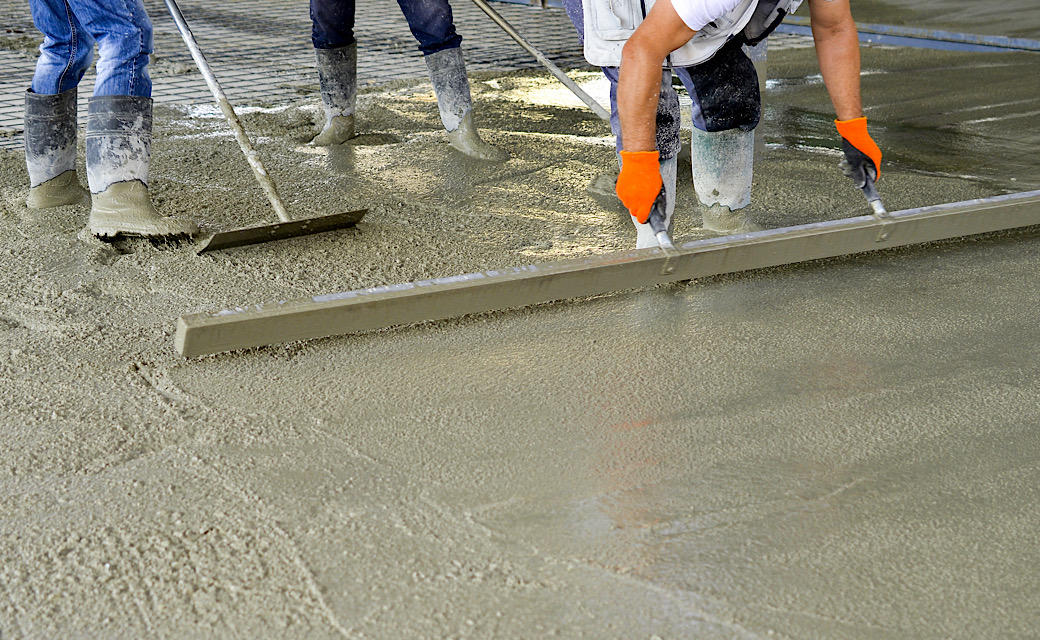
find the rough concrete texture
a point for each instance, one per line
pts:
(837, 450)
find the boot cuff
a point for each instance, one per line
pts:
(338, 56)
(40, 104)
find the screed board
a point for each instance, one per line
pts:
(410, 302)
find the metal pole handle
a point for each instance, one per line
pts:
(556, 71)
(252, 157)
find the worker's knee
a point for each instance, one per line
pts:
(726, 88)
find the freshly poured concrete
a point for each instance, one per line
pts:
(1014, 18)
(846, 449)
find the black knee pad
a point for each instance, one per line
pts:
(727, 89)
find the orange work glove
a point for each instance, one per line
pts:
(639, 183)
(862, 156)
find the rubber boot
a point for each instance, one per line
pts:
(50, 150)
(337, 75)
(645, 236)
(448, 75)
(722, 169)
(119, 137)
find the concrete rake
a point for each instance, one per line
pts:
(288, 227)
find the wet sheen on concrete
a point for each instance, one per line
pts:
(1013, 19)
(841, 450)
(845, 449)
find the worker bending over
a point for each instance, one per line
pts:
(706, 37)
(119, 116)
(431, 23)
(609, 28)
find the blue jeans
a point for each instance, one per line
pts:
(430, 21)
(120, 28)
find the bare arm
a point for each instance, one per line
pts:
(837, 47)
(639, 83)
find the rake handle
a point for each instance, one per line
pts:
(596, 107)
(252, 157)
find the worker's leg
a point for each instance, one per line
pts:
(119, 122)
(726, 109)
(335, 51)
(123, 33)
(431, 24)
(50, 106)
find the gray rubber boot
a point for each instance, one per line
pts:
(723, 162)
(337, 75)
(119, 139)
(448, 75)
(50, 150)
(645, 236)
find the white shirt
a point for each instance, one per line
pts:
(698, 13)
(609, 23)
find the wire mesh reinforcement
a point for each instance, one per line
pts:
(261, 51)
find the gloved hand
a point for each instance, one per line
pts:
(639, 183)
(862, 155)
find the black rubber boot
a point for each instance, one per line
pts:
(337, 75)
(119, 139)
(50, 150)
(448, 76)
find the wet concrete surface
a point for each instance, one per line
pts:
(967, 115)
(1013, 19)
(843, 449)
(840, 450)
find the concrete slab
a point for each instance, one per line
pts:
(836, 450)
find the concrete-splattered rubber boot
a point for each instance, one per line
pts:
(723, 162)
(119, 138)
(50, 150)
(448, 75)
(645, 236)
(337, 75)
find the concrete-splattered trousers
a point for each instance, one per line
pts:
(123, 34)
(429, 20)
